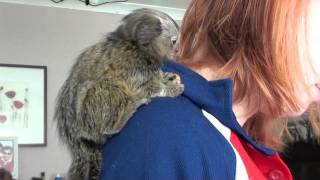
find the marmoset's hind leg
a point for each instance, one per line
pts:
(125, 113)
(105, 110)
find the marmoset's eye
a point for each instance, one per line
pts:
(174, 40)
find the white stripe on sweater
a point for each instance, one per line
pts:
(241, 172)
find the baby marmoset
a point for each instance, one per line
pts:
(109, 81)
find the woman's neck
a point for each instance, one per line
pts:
(203, 63)
(207, 66)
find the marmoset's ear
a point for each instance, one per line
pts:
(147, 29)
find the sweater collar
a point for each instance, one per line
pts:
(214, 97)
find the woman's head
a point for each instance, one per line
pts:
(5, 175)
(262, 46)
(310, 58)
(7, 153)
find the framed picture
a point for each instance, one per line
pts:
(23, 102)
(9, 155)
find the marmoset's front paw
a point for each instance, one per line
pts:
(171, 78)
(173, 86)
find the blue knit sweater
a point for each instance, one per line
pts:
(170, 139)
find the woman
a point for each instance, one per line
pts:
(5, 175)
(244, 64)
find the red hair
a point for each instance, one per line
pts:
(257, 43)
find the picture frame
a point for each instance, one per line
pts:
(23, 103)
(9, 155)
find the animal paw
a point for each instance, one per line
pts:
(171, 78)
(173, 86)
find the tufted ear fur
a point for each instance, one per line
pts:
(147, 30)
(141, 27)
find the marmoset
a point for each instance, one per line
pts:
(109, 81)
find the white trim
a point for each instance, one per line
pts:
(241, 172)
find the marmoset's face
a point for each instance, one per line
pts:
(311, 70)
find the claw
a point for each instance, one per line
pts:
(178, 79)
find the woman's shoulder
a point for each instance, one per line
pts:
(163, 115)
(167, 123)
(167, 108)
(169, 138)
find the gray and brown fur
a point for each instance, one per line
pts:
(109, 81)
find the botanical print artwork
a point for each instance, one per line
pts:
(23, 103)
(14, 102)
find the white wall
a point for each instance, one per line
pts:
(170, 3)
(52, 37)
